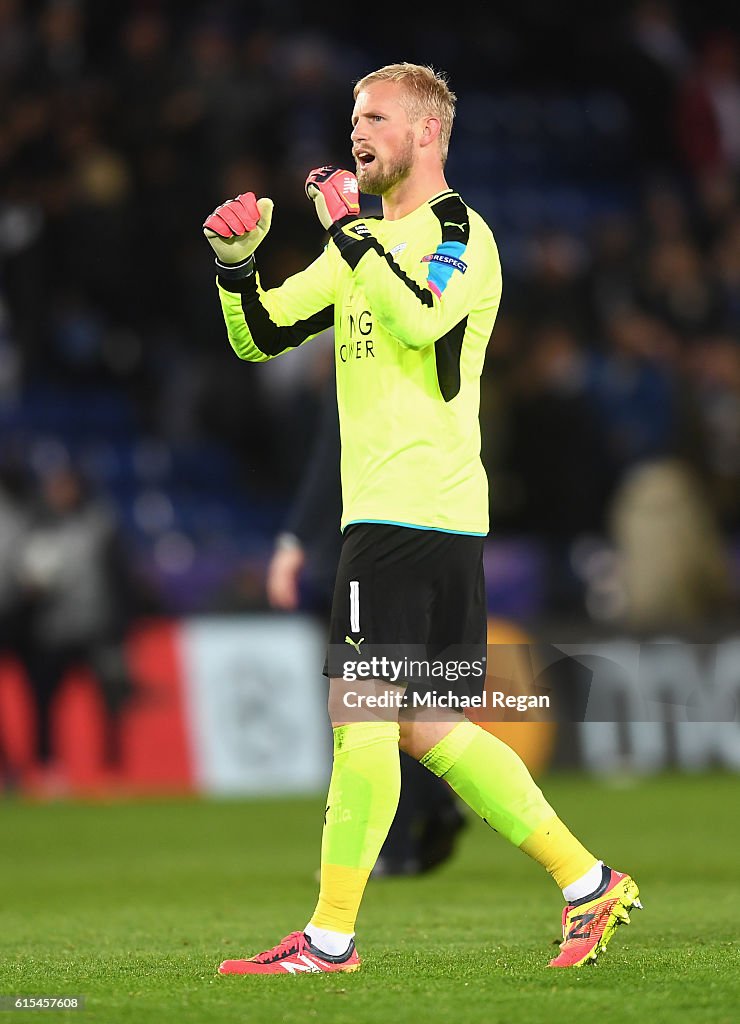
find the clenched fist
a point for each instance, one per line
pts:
(334, 193)
(236, 228)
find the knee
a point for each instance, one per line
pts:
(414, 740)
(406, 739)
(419, 736)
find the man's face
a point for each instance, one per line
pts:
(383, 139)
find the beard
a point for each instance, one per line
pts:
(376, 179)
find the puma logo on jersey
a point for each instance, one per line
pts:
(452, 224)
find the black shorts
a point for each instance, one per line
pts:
(414, 594)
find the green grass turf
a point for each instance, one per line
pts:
(133, 905)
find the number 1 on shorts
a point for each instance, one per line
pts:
(354, 606)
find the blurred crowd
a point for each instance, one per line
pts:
(67, 599)
(617, 347)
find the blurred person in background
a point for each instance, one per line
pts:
(725, 261)
(78, 591)
(714, 365)
(672, 563)
(637, 392)
(679, 290)
(708, 110)
(15, 521)
(557, 453)
(612, 275)
(555, 289)
(651, 57)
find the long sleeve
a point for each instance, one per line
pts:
(262, 324)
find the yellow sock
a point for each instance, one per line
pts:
(494, 781)
(362, 801)
(558, 851)
(491, 778)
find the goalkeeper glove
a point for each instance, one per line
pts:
(336, 197)
(335, 194)
(234, 230)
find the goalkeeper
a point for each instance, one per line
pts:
(413, 297)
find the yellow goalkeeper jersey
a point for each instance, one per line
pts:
(413, 303)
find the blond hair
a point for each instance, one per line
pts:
(425, 93)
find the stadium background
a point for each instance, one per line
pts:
(603, 146)
(611, 395)
(605, 153)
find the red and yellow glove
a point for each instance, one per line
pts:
(235, 229)
(337, 200)
(334, 193)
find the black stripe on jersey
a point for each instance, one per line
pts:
(451, 209)
(447, 352)
(267, 335)
(353, 242)
(452, 214)
(423, 294)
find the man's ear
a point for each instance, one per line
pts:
(430, 130)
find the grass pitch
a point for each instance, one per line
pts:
(134, 905)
